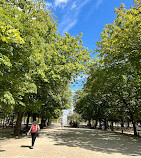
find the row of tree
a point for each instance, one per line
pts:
(37, 63)
(113, 88)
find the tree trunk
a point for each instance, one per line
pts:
(134, 125)
(89, 123)
(34, 116)
(27, 121)
(43, 122)
(100, 125)
(122, 125)
(95, 124)
(17, 128)
(112, 125)
(3, 125)
(105, 124)
(48, 122)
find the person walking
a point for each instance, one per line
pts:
(61, 124)
(34, 132)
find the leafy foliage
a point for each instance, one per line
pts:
(37, 63)
(115, 77)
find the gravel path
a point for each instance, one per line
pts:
(55, 142)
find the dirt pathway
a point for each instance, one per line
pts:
(56, 142)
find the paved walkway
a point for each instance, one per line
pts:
(55, 142)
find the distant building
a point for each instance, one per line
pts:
(65, 114)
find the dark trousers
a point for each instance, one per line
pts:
(34, 135)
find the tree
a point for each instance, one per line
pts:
(115, 77)
(42, 58)
(120, 47)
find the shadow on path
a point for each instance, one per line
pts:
(2, 150)
(97, 140)
(25, 146)
(6, 133)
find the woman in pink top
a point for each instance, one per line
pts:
(34, 132)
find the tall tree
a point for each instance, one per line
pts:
(115, 77)
(42, 59)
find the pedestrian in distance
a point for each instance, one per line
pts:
(34, 132)
(61, 124)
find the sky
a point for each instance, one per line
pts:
(85, 16)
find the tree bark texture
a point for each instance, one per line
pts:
(27, 121)
(112, 125)
(134, 125)
(34, 116)
(17, 128)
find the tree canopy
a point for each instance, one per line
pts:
(115, 76)
(37, 63)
